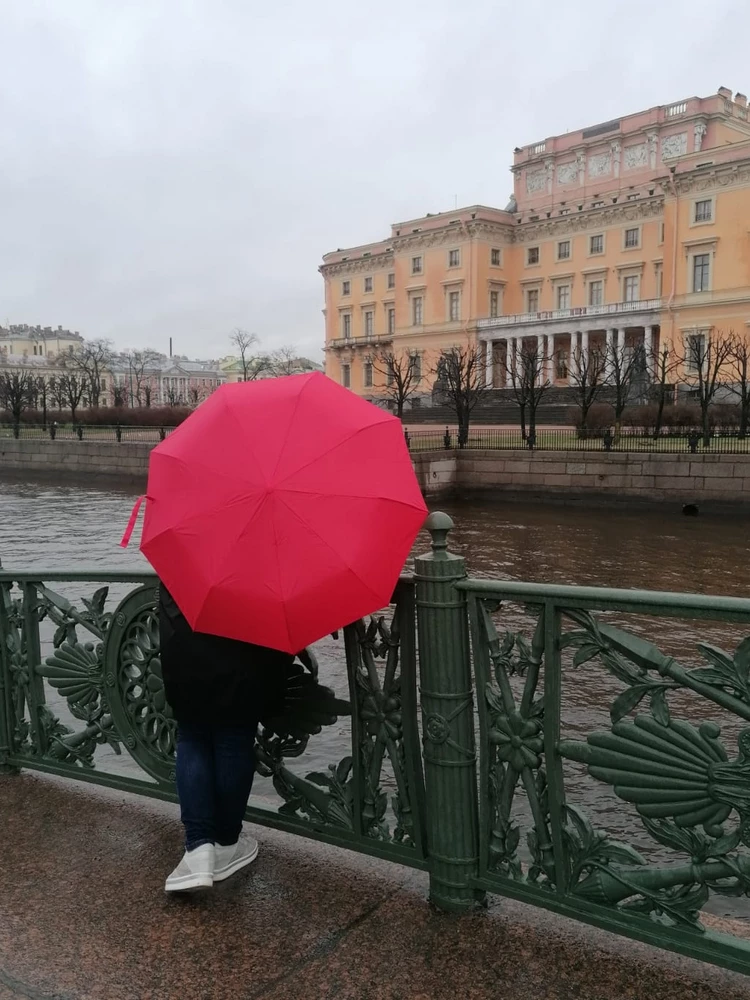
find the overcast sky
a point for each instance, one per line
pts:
(178, 167)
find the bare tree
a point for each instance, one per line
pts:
(119, 396)
(460, 372)
(172, 396)
(16, 392)
(739, 372)
(587, 379)
(141, 364)
(285, 361)
(73, 386)
(57, 392)
(42, 389)
(624, 368)
(526, 375)
(666, 365)
(91, 360)
(244, 342)
(707, 356)
(402, 374)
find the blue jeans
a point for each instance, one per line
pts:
(215, 770)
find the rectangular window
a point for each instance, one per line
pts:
(346, 325)
(368, 323)
(701, 269)
(632, 238)
(563, 250)
(633, 197)
(596, 293)
(454, 258)
(494, 304)
(631, 288)
(596, 244)
(346, 376)
(416, 265)
(563, 296)
(659, 276)
(368, 284)
(391, 280)
(704, 210)
(391, 321)
(416, 310)
(346, 287)
(562, 364)
(695, 352)
(415, 365)
(454, 306)
(367, 375)
(495, 257)
(532, 300)
(661, 232)
(532, 255)
(597, 204)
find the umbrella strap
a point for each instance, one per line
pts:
(131, 523)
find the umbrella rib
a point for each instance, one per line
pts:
(353, 496)
(245, 438)
(328, 545)
(289, 428)
(343, 441)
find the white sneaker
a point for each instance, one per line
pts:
(230, 859)
(195, 871)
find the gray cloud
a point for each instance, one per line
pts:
(178, 167)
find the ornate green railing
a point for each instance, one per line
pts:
(77, 675)
(553, 753)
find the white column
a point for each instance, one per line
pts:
(551, 357)
(541, 367)
(585, 347)
(609, 354)
(516, 356)
(648, 347)
(573, 360)
(488, 360)
(620, 341)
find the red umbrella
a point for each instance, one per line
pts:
(281, 510)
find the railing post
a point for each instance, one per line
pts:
(447, 723)
(6, 739)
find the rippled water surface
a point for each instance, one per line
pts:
(47, 526)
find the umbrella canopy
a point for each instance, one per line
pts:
(281, 510)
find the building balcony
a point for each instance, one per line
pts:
(636, 313)
(350, 342)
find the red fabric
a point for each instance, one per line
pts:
(281, 510)
(128, 533)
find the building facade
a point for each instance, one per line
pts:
(631, 232)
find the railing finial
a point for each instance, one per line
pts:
(439, 524)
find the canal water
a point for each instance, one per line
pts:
(67, 526)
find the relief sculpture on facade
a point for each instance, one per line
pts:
(674, 145)
(600, 164)
(636, 156)
(567, 173)
(536, 180)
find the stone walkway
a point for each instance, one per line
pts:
(83, 917)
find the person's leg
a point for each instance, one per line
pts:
(234, 770)
(195, 788)
(196, 784)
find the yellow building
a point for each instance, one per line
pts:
(634, 231)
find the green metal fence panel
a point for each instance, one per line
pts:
(103, 674)
(680, 782)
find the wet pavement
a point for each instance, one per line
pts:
(83, 917)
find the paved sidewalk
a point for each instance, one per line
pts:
(83, 917)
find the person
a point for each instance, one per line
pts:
(219, 689)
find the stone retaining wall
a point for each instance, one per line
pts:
(685, 478)
(80, 458)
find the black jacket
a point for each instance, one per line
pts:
(209, 680)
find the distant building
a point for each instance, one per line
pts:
(266, 366)
(631, 232)
(36, 341)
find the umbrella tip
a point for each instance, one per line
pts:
(439, 524)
